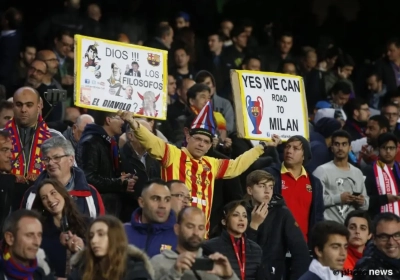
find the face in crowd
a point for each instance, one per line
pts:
(387, 238)
(155, 202)
(359, 232)
(26, 107)
(192, 229)
(236, 221)
(180, 197)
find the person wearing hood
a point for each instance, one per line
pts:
(59, 159)
(272, 226)
(74, 133)
(324, 129)
(98, 156)
(152, 225)
(328, 241)
(302, 192)
(382, 258)
(358, 113)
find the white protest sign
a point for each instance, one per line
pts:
(269, 103)
(111, 76)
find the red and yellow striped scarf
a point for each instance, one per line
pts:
(25, 171)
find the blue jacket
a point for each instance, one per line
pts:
(310, 276)
(317, 203)
(86, 197)
(151, 238)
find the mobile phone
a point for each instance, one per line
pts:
(64, 224)
(204, 264)
(356, 193)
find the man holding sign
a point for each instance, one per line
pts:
(190, 165)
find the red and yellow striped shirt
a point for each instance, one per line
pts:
(198, 175)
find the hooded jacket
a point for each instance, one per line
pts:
(138, 265)
(164, 268)
(86, 197)
(152, 238)
(277, 235)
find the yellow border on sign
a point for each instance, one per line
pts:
(77, 74)
(302, 93)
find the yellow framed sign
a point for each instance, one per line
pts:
(111, 76)
(269, 103)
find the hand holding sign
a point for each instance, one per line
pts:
(276, 140)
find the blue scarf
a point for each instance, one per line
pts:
(15, 270)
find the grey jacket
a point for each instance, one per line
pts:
(224, 107)
(163, 265)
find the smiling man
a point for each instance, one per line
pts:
(329, 244)
(58, 156)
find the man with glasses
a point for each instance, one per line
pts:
(58, 156)
(383, 178)
(391, 112)
(180, 196)
(97, 154)
(343, 183)
(382, 259)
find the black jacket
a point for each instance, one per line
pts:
(138, 265)
(375, 199)
(94, 158)
(223, 245)
(277, 235)
(317, 203)
(375, 260)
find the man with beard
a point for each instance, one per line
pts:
(180, 264)
(343, 184)
(383, 178)
(152, 226)
(366, 149)
(7, 180)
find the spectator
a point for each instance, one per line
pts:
(180, 196)
(64, 43)
(344, 189)
(108, 254)
(273, 227)
(220, 104)
(73, 134)
(164, 36)
(6, 149)
(6, 112)
(382, 178)
(384, 254)
(22, 256)
(63, 225)
(226, 27)
(329, 242)
(243, 254)
(358, 113)
(152, 224)
(183, 68)
(388, 67)
(182, 20)
(59, 157)
(190, 229)
(25, 127)
(237, 52)
(341, 72)
(98, 157)
(252, 63)
(7, 180)
(303, 193)
(282, 53)
(391, 112)
(26, 57)
(288, 67)
(339, 94)
(359, 225)
(376, 90)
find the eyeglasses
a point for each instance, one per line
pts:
(116, 118)
(34, 70)
(386, 237)
(55, 159)
(182, 197)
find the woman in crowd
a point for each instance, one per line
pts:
(243, 254)
(63, 225)
(108, 255)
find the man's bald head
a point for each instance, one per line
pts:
(72, 114)
(81, 122)
(85, 118)
(44, 54)
(26, 106)
(187, 214)
(144, 123)
(26, 91)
